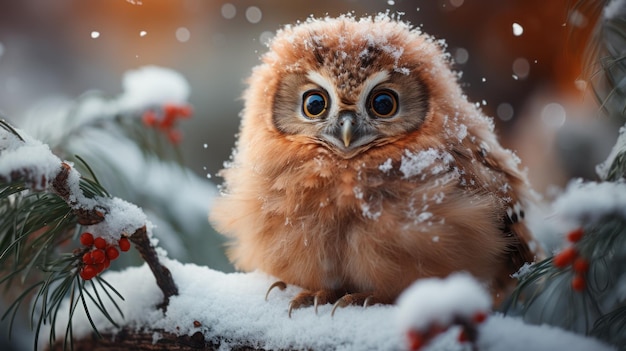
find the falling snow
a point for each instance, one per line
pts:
(517, 29)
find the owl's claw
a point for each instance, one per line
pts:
(279, 284)
(364, 299)
(303, 299)
(316, 298)
(312, 298)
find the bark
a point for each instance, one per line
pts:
(163, 276)
(145, 341)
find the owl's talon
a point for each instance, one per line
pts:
(340, 303)
(316, 302)
(279, 284)
(364, 299)
(370, 300)
(291, 308)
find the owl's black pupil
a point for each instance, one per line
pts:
(383, 104)
(315, 104)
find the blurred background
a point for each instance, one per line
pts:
(521, 61)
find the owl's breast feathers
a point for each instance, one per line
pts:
(381, 220)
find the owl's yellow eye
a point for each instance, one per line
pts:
(384, 103)
(314, 104)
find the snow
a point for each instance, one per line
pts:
(386, 166)
(152, 85)
(35, 161)
(620, 147)
(435, 301)
(614, 9)
(144, 88)
(122, 218)
(585, 202)
(230, 309)
(517, 29)
(511, 334)
(414, 164)
(30, 156)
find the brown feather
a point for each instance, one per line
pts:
(431, 195)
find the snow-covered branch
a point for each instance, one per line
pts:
(28, 161)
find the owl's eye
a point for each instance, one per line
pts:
(314, 104)
(384, 103)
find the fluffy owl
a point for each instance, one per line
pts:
(361, 167)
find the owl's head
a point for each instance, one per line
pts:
(349, 84)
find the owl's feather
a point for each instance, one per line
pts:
(432, 193)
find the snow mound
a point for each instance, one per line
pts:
(230, 309)
(590, 201)
(152, 85)
(439, 301)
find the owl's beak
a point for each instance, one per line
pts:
(347, 126)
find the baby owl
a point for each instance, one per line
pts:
(361, 167)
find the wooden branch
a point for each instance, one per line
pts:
(145, 341)
(61, 188)
(163, 276)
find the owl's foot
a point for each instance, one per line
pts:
(308, 298)
(363, 299)
(312, 298)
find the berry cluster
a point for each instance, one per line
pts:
(571, 257)
(100, 254)
(419, 339)
(165, 121)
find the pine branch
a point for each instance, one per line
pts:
(578, 288)
(147, 112)
(44, 203)
(605, 62)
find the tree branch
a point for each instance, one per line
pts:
(163, 276)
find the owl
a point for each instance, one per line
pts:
(361, 167)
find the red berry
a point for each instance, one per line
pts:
(579, 283)
(581, 265)
(100, 243)
(171, 109)
(107, 263)
(86, 239)
(174, 136)
(87, 258)
(185, 111)
(416, 340)
(169, 118)
(124, 244)
(565, 257)
(112, 253)
(479, 317)
(575, 235)
(99, 267)
(149, 118)
(463, 337)
(98, 256)
(88, 272)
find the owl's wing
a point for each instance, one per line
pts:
(521, 248)
(495, 170)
